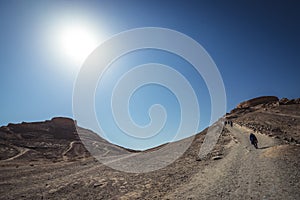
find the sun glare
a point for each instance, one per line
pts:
(77, 42)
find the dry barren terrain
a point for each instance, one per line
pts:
(46, 160)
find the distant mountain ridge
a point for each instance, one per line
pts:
(56, 139)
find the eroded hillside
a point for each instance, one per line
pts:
(47, 160)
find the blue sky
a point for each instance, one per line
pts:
(255, 45)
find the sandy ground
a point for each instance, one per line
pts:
(246, 172)
(243, 172)
(89, 179)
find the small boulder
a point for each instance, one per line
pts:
(216, 157)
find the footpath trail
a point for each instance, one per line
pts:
(22, 151)
(244, 173)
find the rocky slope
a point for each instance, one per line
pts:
(52, 140)
(35, 176)
(46, 160)
(279, 119)
(257, 101)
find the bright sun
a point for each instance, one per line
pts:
(77, 42)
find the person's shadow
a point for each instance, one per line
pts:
(266, 147)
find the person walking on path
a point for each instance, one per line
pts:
(253, 140)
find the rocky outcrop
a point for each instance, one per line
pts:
(56, 139)
(270, 116)
(56, 128)
(257, 101)
(286, 101)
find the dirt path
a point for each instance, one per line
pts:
(22, 152)
(245, 173)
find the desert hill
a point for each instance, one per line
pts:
(52, 140)
(46, 160)
(270, 116)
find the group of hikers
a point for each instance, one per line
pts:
(230, 123)
(253, 139)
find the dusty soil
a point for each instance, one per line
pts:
(270, 172)
(279, 121)
(89, 179)
(38, 162)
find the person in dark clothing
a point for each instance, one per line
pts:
(253, 140)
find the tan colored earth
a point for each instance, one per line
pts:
(47, 160)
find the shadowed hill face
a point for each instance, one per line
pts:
(56, 139)
(57, 128)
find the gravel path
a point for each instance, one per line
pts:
(270, 172)
(245, 173)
